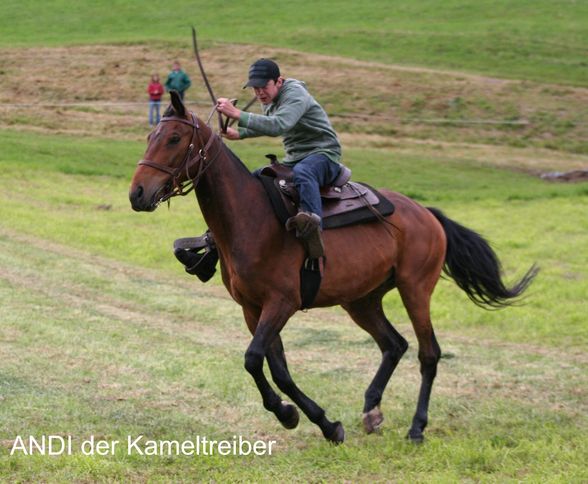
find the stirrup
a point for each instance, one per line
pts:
(198, 255)
(308, 230)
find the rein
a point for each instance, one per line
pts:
(185, 187)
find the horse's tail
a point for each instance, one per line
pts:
(473, 265)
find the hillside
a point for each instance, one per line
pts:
(372, 104)
(538, 40)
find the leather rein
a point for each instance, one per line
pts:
(201, 158)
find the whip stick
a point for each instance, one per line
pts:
(199, 61)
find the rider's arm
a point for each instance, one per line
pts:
(249, 133)
(293, 104)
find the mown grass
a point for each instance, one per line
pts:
(75, 192)
(416, 104)
(538, 40)
(103, 334)
(145, 352)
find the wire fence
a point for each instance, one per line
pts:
(106, 104)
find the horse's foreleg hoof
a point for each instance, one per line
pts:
(289, 416)
(415, 436)
(335, 434)
(372, 420)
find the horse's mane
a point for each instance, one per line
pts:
(235, 158)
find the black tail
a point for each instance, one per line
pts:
(473, 265)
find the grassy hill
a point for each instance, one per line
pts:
(531, 39)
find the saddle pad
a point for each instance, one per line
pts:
(341, 216)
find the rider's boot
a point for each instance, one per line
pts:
(198, 255)
(308, 229)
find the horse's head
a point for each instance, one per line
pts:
(174, 157)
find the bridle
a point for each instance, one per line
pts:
(201, 158)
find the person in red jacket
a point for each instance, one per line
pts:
(155, 90)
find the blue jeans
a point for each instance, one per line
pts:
(311, 173)
(154, 112)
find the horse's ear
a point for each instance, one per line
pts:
(177, 103)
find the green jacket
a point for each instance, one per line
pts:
(295, 115)
(177, 81)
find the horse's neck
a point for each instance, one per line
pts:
(232, 201)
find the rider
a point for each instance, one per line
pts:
(310, 142)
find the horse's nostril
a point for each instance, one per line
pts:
(136, 196)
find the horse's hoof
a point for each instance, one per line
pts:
(415, 437)
(290, 416)
(372, 420)
(337, 434)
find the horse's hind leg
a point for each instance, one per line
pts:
(416, 298)
(369, 315)
(332, 431)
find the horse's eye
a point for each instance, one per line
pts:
(174, 140)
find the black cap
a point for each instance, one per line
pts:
(261, 71)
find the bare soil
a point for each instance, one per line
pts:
(100, 91)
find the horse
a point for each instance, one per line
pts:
(260, 266)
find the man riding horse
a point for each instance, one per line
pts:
(310, 144)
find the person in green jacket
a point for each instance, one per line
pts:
(310, 143)
(177, 80)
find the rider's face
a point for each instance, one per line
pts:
(269, 92)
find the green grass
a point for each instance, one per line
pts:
(102, 333)
(74, 192)
(146, 352)
(531, 39)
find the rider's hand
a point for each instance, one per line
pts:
(231, 133)
(225, 106)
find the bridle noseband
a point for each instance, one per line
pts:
(185, 187)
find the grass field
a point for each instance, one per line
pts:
(103, 334)
(137, 347)
(525, 39)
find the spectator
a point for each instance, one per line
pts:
(177, 80)
(155, 90)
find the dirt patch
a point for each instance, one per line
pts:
(569, 176)
(70, 85)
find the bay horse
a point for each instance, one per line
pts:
(260, 265)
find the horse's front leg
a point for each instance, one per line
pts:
(265, 326)
(333, 431)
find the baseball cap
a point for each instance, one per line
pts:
(262, 71)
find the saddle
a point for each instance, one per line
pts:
(344, 202)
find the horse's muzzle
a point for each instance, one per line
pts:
(140, 202)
